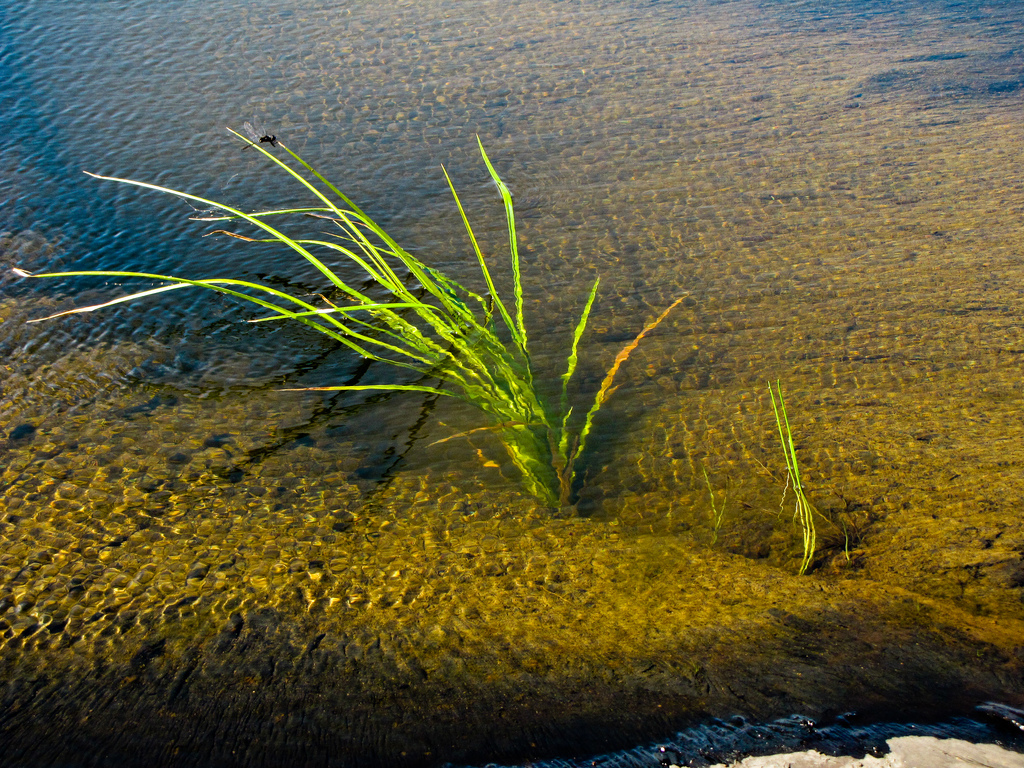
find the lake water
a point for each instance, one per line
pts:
(197, 568)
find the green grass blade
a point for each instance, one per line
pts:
(261, 214)
(340, 332)
(506, 198)
(410, 262)
(804, 511)
(453, 308)
(325, 311)
(380, 387)
(277, 235)
(717, 511)
(528, 451)
(406, 258)
(573, 358)
(417, 268)
(563, 440)
(483, 265)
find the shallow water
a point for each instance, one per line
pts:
(837, 188)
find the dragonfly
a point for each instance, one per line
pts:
(257, 135)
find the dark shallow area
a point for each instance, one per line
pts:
(289, 686)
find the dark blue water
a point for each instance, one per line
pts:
(144, 90)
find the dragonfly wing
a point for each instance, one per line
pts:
(251, 132)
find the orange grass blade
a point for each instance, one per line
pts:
(606, 389)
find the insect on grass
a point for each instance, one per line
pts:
(257, 135)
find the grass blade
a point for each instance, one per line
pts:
(340, 333)
(379, 387)
(563, 439)
(804, 512)
(513, 246)
(606, 389)
(520, 341)
(280, 236)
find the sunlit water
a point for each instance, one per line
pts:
(835, 187)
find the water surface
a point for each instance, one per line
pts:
(836, 188)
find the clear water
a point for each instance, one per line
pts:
(836, 186)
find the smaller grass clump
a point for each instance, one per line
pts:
(445, 338)
(803, 514)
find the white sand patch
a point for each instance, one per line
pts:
(906, 752)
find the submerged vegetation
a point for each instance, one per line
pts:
(717, 508)
(452, 340)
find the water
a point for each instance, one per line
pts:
(835, 186)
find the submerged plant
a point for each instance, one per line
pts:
(803, 514)
(455, 341)
(717, 510)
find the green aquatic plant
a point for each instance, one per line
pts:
(454, 341)
(803, 514)
(717, 509)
